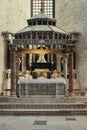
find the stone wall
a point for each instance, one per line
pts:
(71, 16)
(13, 15)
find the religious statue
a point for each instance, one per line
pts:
(28, 75)
(54, 74)
(25, 75)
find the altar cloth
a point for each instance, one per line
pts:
(42, 81)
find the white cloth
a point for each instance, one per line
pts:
(42, 81)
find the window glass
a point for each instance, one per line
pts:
(46, 5)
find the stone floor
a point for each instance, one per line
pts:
(43, 122)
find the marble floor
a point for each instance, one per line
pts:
(43, 122)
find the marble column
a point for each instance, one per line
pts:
(31, 47)
(33, 55)
(13, 74)
(23, 62)
(65, 67)
(58, 57)
(17, 60)
(70, 74)
(30, 58)
(52, 54)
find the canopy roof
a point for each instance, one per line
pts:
(41, 28)
(41, 15)
(42, 23)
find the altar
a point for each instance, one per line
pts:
(41, 87)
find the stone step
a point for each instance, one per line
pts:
(59, 99)
(43, 106)
(26, 112)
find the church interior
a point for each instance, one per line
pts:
(41, 76)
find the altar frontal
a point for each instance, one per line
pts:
(44, 87)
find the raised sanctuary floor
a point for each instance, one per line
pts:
(43, 106)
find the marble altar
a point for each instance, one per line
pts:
(50, 87)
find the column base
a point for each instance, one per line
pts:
(13, 93)
(71, 94)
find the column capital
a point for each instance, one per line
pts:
(12, 48)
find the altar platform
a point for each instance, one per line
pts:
(61, 105)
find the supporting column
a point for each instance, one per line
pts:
(30, 58)
(58, 57)
(13, 75)
(70, 74)
(65, 67)
(48, 56)
(51, 55)
(17, 59)
(30, 47)
(23, 62)
(33, 55)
